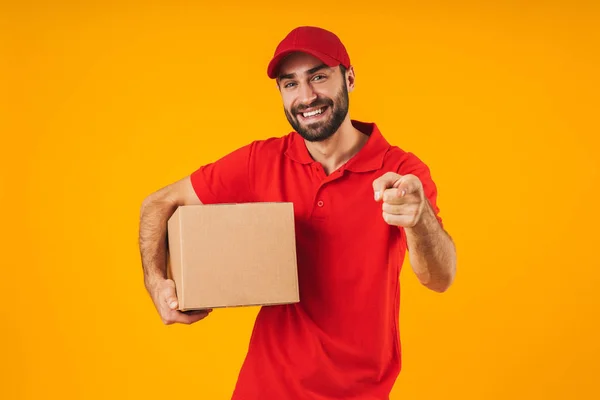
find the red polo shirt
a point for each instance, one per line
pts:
(342, 340)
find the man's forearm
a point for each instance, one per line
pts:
(432, 252)
(153, 238)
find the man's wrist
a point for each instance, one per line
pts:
(426, 224)
(152, 280)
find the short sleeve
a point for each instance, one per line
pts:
(227, 180)
(413, 165)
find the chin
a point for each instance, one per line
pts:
(316, 136)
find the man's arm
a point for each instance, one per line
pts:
(431, 250)
(156, 210)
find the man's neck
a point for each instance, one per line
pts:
(334, 152)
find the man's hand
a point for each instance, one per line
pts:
(154, 216)
(403, 199)
(165, 299)
(431, 250)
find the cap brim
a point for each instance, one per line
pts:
(273, 68)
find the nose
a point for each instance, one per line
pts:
(307, 94)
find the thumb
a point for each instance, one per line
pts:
(172, 302)
(385, 181)
(171, 297)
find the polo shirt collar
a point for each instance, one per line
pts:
(369, 158)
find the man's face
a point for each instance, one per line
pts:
(315, 96)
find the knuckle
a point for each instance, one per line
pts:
(168, 289)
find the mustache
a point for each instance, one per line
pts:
(314, 104)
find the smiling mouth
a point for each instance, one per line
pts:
(313, 113)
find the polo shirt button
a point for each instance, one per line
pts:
(320, 203)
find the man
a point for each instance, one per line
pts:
(359, 205)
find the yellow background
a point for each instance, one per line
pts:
(102, 104)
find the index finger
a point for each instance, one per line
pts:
(407, 184)
(384, 182)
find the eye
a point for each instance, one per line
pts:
(319, 77)
(289, 85)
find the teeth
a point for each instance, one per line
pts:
(312, 113)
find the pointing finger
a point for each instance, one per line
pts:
(407, 184)
(393, 196)
(385, 181)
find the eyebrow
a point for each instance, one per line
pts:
(308, 72)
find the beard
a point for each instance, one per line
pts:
(321, 130)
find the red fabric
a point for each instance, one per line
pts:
(342, 340)
(320, 43)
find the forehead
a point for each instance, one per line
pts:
(298, 63)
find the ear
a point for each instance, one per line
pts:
(350, 78)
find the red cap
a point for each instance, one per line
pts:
(318, 42)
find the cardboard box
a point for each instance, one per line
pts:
(230, 255)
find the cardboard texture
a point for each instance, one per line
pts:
(232, 255)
